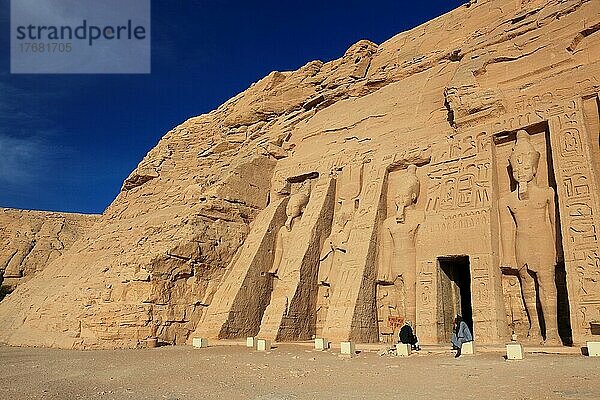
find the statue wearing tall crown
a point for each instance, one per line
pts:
(398, 252)
(527, 217)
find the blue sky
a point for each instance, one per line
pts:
(67, 142)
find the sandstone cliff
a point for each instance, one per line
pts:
(32, 239)
(157, 255)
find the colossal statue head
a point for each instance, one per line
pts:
(295, 207)
(408, 191)
(524, 162)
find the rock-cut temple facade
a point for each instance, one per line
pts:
(453, 169)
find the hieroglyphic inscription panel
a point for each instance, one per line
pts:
(485, 317)
(460, 174)
(459, 197)
(579, 209)
(427, 323)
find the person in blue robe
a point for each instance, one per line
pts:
(461, 334)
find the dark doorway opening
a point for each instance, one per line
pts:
(455, 292)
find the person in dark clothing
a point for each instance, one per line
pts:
(407, 336)
(461, 334)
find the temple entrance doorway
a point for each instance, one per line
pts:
(454, 292)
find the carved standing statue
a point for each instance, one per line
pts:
(397, 251)
(337, 240)
(336, 245)
(293, 210)
(350, 184)
(282, 270)
(528, 238)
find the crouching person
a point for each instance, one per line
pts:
(407, 336)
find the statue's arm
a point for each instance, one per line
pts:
(345, 235)
(385, 249)
(552, 216)
(417, 229)
(327, 249)
(551, 209)
(507, 235)
(278, 253)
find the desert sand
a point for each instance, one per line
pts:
(290, 371)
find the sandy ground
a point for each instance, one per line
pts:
(289, 372)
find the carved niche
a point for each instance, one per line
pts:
(528, 233)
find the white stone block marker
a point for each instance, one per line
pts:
(263, 345)
(593, 349)
(403, 350)
(251, 342)
(347, 348)
(200, 342)
(468, 348)
(321, 344)
(514, 351)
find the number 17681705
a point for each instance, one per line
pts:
(46, 47)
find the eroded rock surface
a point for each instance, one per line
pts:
(32, 239)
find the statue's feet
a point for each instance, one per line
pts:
(535, 338)
(553, 340)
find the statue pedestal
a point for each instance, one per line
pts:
(347, 348)
(200, 342)
(403, 350)
(468, 348)
(593, 349)
(321, 344)
(514, 351)
(263, 345)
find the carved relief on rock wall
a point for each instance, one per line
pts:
(467, 101)
(459, 175)
(576, 184)
(298, 189)
(290, 314)
(456, 264)
(528, 242)
(396, 268)
(481, 284)
(262, 265)
(285, 236)
(516, 314)
(378, 259)
(334, 250)
(570, 150)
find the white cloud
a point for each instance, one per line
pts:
(26, 151)
(22, 159)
